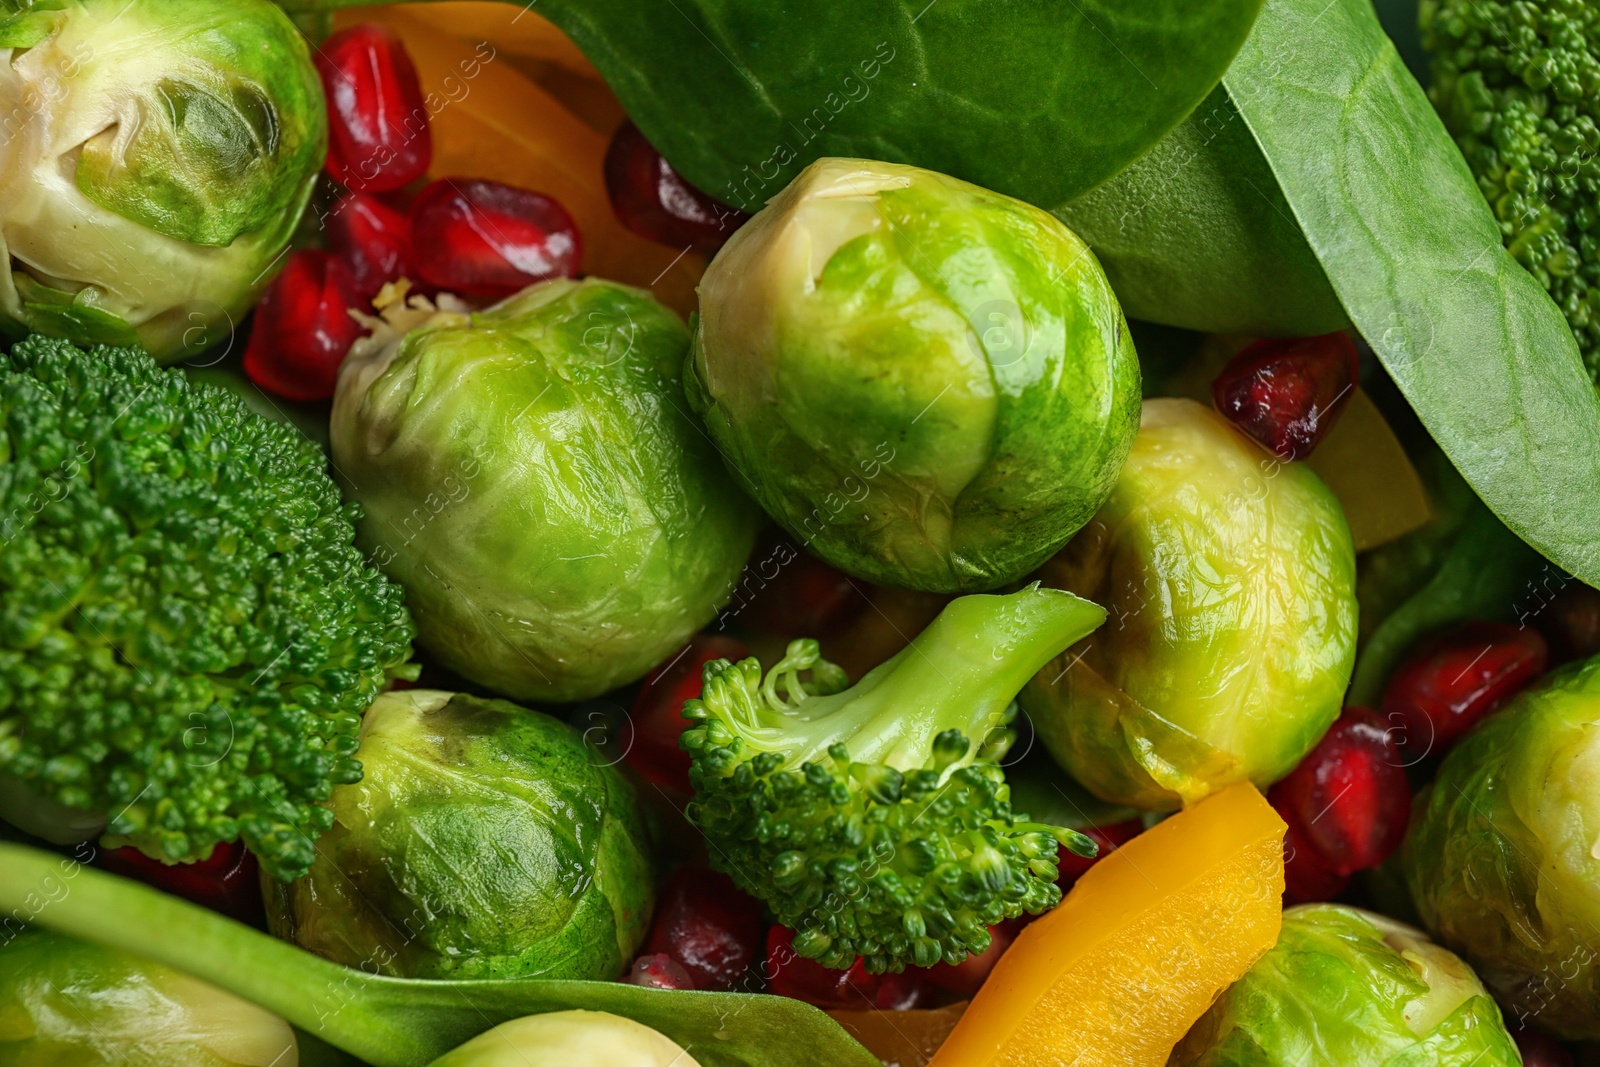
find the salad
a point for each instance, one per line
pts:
(754, 535)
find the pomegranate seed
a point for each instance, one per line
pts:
(378, 135)
(228, 881)
(1348, 800)
(1456, 678)
(788, 593)
(965, 977)
(1540, 1050)
(659, 971)
(657, 714)
(653, 200)
(1307, 878)
(791, 975)
(1287, 394)
(302, 328)
(482, 238)
(372, 240)
(706, 926)
(1107, 838)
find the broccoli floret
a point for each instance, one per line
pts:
(875, 820)
(188, 636)
(1518, 86)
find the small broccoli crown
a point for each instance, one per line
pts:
(1518, 85)
(188, 635)
(868, 820)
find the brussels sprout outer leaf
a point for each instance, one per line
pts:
(392, 1022)
(231, 119)
(1413, 251)
(1500, 857)
(740, 96)
(1197, 233)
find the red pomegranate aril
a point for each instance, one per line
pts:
(482, 238)
(1456, 678)
(1348, 800)
(657, 714)
(705, 925)
(653, 200)
(965, 977)
(904, 991)
(378, 134)
(791, 975)
(659, 971)
(1307, 878)
(302, 328)
(1108, 839)
(372, 240)
(1287, 394)
(1540, 1050)
(228, 881)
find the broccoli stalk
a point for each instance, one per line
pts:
(188, 634)
(1518, 86)
(875, 821)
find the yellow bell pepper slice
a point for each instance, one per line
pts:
(1143, 944)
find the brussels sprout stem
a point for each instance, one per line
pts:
(390, 1022)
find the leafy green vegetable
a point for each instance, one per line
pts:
(1231, 580)
(393, 1022)
(1500, 856)
(66, 1001)
(1196, 233)
(929, 385)
(1518, 84)
(1039, 100)
(528, 855)
(188, 634)
(875, 820)
(1414, 253)
(159, 155)
(1463, 565)
(1346, 986)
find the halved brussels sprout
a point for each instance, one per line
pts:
(69, 1002)
(1229, 578)
(929, 384)
(1346, 986)
(484, 840)
(155, 157)
(532, 477)
(1503, 854)
(569, 1039)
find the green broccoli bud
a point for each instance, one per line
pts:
(188, 636)
(1518, 86)
(875, 820)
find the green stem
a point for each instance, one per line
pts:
(391, 1022)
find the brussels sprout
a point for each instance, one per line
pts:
(484, 840)
(68, 1002)
(155, 157)
(1230, 582)
(569, 1039)
(1503, 855)
(929, 384)
(1345, 986)
(531, 476)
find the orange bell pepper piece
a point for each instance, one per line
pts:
(1143, 944)
(490, 121)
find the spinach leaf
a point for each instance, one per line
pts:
(1039, 100)
(1196, 233)
(392, 1022)
(1387, 204)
